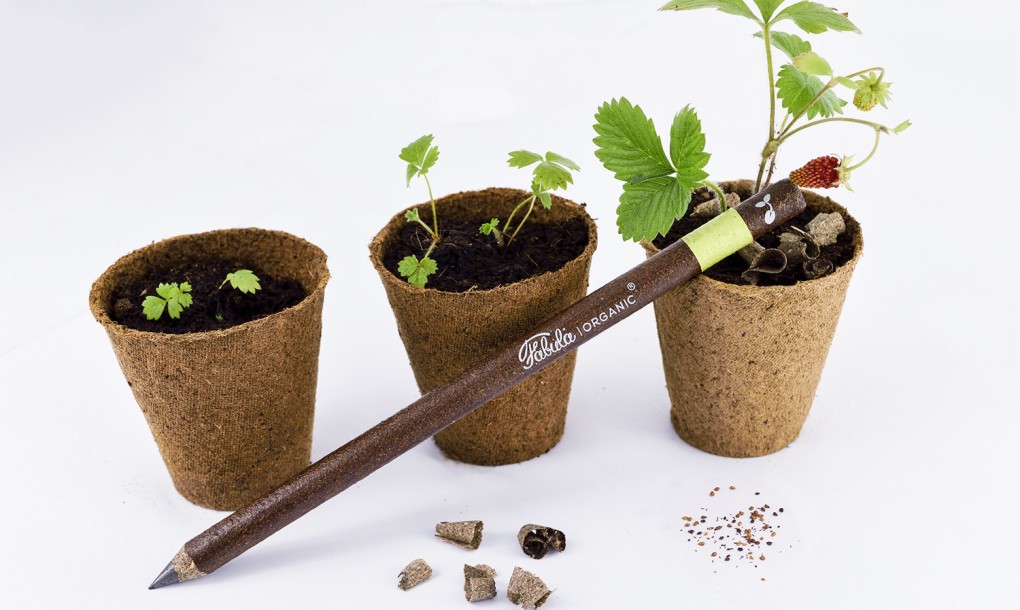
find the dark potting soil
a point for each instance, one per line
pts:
(729, 269)
(469, 260)
(205, 277)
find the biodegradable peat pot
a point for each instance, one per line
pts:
(446, 333)
(742, 362)
(231, 410)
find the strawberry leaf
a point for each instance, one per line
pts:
(647, 209)
(796, 90)
(733, 7)
(812, 63)
(790, 44)
(687, 149)
(816, 18)
(768, 7)
(627, 142)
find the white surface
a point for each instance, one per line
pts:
(124, 122)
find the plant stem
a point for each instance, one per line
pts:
(513, 213)
(435, 218)
(531, 207)
(718, 193)
(878, 136)
(767, 31)
(842, 119)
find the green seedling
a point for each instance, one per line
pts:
(420, 156)
(173, 299)
(243, 280)
(657, 188)
(550, 173)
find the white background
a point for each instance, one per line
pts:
(124, 122)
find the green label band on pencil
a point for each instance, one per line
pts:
(718, 238)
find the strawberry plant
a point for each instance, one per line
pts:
(657, 187)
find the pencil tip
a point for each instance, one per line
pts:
(167, 577)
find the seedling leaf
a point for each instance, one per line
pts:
(523, 158)
(551, 176)
(561, 160)
(487, 227)
(545, 199)
(627, 142)
(417, 271)
(420, 156)
(796, 90)
(733, 7)
(815, 18)
(172, 298)
(153, 307)
(243, 280)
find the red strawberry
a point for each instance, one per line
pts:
(820, 173)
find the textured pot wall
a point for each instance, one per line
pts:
(231, 410)
(742, 363)
(447, 333)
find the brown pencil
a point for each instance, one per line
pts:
(556, 337)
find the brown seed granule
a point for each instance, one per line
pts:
(741, 538)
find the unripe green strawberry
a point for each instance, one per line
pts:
(871, 91)
(863, 101)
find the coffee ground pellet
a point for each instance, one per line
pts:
(416, 572)
(465, 534)
(526, 589)
(479, 582)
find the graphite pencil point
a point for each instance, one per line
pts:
(167, 577)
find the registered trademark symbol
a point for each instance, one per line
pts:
(631, 286)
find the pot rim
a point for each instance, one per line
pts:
(376, 249)
(99, 309)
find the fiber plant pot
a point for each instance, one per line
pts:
(231, 410)
(743, 362)
(446, 333)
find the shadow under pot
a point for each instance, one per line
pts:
(742, 362)
(230, 407)
(446, 333)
